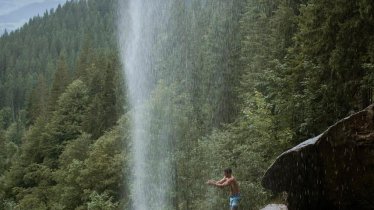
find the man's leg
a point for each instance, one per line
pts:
(234, 207)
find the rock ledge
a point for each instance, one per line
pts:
(334, 170)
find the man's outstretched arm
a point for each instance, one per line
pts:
(212, 182)
(221, 181)
(227, 182)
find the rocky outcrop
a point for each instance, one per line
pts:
(275, 207)
(334, 170)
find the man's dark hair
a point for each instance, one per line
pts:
(228, 170)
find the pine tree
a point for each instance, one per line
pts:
(84, 58)
(60, 82)
(38, 102)
(66, 123)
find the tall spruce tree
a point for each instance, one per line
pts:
(60, 82)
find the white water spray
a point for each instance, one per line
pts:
(139, 25)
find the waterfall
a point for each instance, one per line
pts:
(140, 24)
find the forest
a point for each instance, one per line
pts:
(244, 81)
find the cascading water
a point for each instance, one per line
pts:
(140, 22)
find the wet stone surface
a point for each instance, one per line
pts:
(334, 170)
(275, 207)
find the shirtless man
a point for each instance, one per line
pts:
(229, 180)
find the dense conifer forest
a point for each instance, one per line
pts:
(251, 78)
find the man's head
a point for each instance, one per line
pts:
(227, 172)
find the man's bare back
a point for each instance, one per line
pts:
(234, 186)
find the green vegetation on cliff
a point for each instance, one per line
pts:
(250, 78)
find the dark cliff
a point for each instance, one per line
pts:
(334, 170)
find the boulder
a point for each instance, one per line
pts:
(334, 170)
(275, 207)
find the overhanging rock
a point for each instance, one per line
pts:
(334, 170)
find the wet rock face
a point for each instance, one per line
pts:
(275, 207)
(334, 170)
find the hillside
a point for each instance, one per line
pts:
(224, 84)
(33, 49)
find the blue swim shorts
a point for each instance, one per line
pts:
(234, 200)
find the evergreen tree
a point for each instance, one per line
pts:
(60, 82)
(38, 102)
(66, 123)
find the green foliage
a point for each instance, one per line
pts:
(9, 205)
(248, 145)
(83, 167)
(7, 154)
(61, 80)
(105, 90)
(101, 202)
(68, 191)
(14, 133)
(66, 123)
(5, 117)
(325, 67)
(72, 106)
(76, 149)
(37, 47)
(38, 102)
(235, 83)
